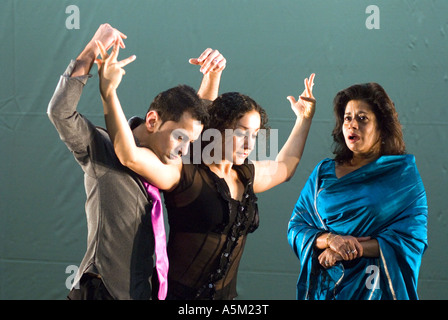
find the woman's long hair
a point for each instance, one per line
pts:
(391, 134)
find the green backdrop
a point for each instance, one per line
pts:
(270, 46)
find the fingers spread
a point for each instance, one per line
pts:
(291, 99)
(307, 99)
(115, 50)
(126, 61)
(103, 51)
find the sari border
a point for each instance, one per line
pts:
(389, 280)
(316, 194)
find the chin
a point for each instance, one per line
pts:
(239, 161)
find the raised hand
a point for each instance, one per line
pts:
(109, 69)
(210, 61)
(306, 105)
(107, 35)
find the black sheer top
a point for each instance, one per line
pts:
(208, 231)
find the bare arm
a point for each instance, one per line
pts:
(141, 160)
(271, 173)
(212, 64)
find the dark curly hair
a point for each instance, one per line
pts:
(391, 134)
(228, 108)
(172, 103)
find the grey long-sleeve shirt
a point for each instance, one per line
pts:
(120, 242)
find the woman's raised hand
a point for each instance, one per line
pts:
(109, 69)
(305, 106)
(210, 61)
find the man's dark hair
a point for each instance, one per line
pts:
(171, 104)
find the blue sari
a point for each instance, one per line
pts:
(385, 200)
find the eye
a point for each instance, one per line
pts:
(239, 133)
(347, 118)
(362, 118)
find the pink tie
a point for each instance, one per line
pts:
(158, 227)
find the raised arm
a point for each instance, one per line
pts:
(107, 35)
(270, 173)
(141, 160)
(212, 64)
(74, 129)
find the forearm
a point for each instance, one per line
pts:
(371, 248)
(85, 60)
(73, 129)
(118, 128)
(209, 88)
(292, 150)
(322, 241)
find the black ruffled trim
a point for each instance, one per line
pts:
(235, 231)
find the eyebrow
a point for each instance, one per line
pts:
(366, 112)
(244, 127)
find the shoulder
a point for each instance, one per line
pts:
(187, 175)
(404, 161)
(323, 166)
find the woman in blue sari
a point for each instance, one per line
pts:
(359, 226)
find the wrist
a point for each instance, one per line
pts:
(89, 53)
(84, 61)
(108, 94)
(327, 240)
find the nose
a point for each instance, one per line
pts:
(184, 148)
(249, 143)
(353, 123)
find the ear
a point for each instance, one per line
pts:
(152, 117)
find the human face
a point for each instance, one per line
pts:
(172, 139)
(360, 129)
(244, 136)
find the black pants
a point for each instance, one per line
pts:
(90, 288)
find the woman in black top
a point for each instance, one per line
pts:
(211, 205)
(208, 221)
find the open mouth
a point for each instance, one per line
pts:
(353, 138)
(243, 154)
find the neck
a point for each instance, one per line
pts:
(359, 160)
(140, 135)
(224, 167)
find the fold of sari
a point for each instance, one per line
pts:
(385, 200)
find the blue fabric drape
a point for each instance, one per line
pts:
(385, 200)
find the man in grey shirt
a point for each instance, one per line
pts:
(118, 262)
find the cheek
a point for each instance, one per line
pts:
(238, 143)
(344, 130)
(170, 144)
(373, 132)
